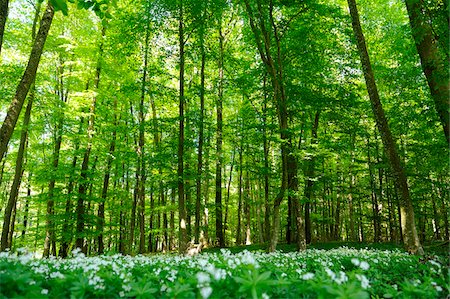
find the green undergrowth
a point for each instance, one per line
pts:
(229, 273)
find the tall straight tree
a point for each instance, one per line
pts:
(141, 175)
(433, 59)
(266, 35)
(27, 80)
(182, 233)
(50, 230)
(219, 154)
(410, 237)
(198, 183)
(101, 206)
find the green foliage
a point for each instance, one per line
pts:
(337, 273)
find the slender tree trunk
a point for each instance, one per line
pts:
(374, 197)
(200, 140)
(27, 80)
(140, 150)
(227, 200)
(8, 222)
(410, 238)
(219, 153)
(266, 170)
(3, 16)
(239, 211)
(433, 62)
(101, 206)
(182, 234)
(310, 180)
(27, 206)
(172, 221)
(50, 229)
(247, 204)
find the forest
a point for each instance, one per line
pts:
(162, 126)
(150, 124)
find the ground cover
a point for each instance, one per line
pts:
(315, 273)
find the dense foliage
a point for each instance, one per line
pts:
(152, 123)
(337, 273)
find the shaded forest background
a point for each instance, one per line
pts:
(151, 123)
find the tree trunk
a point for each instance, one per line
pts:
(3, 16)
(101, 206)
(182, 233)
(410, 238)
(27, 80)
(433, 62)
(219, 154)
(50, 229)
(309, 180)
(227, 200)
(374, 198)
(200, 139)
(239, 211)
(140, 150)
(7, 222)
(247, 204)
(266, 170)
(27, 206)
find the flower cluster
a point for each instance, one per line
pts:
(310, 273)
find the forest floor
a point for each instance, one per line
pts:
(325, 270)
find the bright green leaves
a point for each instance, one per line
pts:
(100, 7)
(254, 282)
(60, 5)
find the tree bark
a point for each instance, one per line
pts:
(410, 238)
(3, 16)
(27, 80)
(219, 154)
(433, 62)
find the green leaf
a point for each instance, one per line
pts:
(60, 5)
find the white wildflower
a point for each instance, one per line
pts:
(203, 277)
(330, 273)
(56, 274)
(355, 261)
(265, 296)
(364, 265)
(364, 281)
(308, 276)
(44, 292)
(342, 278)
(121, 294)
(32, 282)
(205, 292)
(126, 287)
